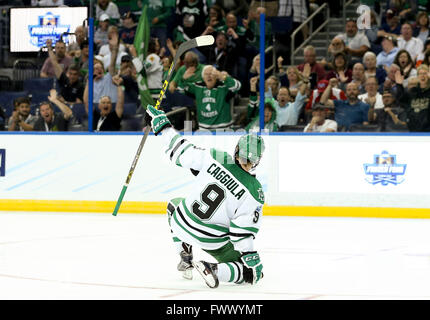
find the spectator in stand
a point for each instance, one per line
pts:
(390, 80)
(358, 77)
(64, 61)
(166, 62)
(255, 67)
(426, 58)
(269, 118)
(108, 7)
(212, 98)
(190, 72)
(127, 78)
(292, 79)
(50, 120)
(220, 55)
(421, 30)
(102, 83)
(271, 86)
(288, 112)
(191, 16)
(101, 34)
(407, 66)
(391, 117)
(372, 97)
(356, 42)
(372, 33)
(369, 60)
(315, 97)
(310, 56)
(392, 27)
(237, 35)
(348, 112)
(421, 56)
(405, 8)
(75, 47)
(389, 51)
(413, 45)
(71, 86)
(416, 101)
(237, 38)
(152, 66)
(128, 29)
(105, 49)
(336, 46)
(159, 12)
(22, 119)
(319, 121)
(215, 19)
(105, 118)
(105, 55)
(238, 8)
(83, 58)
(340, 69)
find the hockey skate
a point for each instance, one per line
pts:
(185, 265)
(208, 271)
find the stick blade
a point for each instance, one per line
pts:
(205, 40)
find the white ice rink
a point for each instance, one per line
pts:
(98, 256)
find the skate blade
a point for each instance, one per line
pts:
(210, 280)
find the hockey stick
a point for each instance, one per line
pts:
(193, 43)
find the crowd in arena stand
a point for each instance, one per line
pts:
(376, 79)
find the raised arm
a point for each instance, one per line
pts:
(58, 70)
(178, 150)
(114, 45)
(326, 95)
(119, 108)
(67, 112)
(86, 97)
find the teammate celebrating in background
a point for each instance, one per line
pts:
(223, 213)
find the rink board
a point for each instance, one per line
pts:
(302, 175)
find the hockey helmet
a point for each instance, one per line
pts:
(250, 148)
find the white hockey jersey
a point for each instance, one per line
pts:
(226, 201)
(153, 68)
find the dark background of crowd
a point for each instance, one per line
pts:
(368, 80)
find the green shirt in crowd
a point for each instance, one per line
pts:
(213, 107)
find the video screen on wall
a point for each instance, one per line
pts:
(31, 27)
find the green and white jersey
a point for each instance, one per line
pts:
(226, 201)
(213, 109)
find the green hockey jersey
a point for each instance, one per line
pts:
(225, 204)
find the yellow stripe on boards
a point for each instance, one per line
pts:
(82, 206)
(140, 207)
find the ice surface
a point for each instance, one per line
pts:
(98, 256)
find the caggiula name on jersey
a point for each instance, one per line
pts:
(225, 179)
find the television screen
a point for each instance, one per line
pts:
(31, 27)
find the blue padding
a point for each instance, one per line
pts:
(38, 84)
(38, 97)
(79, 112)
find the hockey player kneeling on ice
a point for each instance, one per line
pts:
(223, 213)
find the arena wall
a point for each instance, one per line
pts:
(302, 175)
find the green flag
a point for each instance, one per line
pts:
(141, 40)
